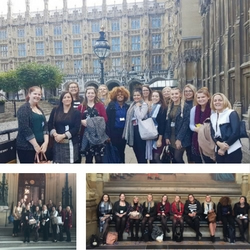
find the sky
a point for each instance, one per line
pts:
(38, 5)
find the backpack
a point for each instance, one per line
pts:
(156, 232)
(94, 241)
(231, 234)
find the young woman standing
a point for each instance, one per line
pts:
(73, 89)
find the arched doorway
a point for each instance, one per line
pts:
(92, 84)
(31, 187)
(112, 84)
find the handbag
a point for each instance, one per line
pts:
(243, 130)
(211, 217)
(32, 221)
(111, 154)
(167, 155)
(147, 129)
(41, 159)
(111, 238)
(58, 220)
(135, 215)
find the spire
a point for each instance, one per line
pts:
(46, 3)
(124, 5)
(84, 9)
(27, 2)
(65, 5)
(104, 7)
(9, 9)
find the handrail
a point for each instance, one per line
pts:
(8, 131)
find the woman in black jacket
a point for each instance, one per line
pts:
(116, 112)
(120, 211)
(26, 216)
(241, 210)
(149, 213)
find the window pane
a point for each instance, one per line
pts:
(21, 49)
(58, 47)
(77, 47)
(40, 49)
(135, 43)
(57, 30)
(115, 44)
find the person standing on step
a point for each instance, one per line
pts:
(135, 216)
(208, 207)
(149, 213)
(26, 216)
(67, 222)
(120, 211)
(163, 214)
(241, 210)
(44, 223)
(17, 214)
(177, 210)
(53, 219)
(192, 213)
(60, 213)
(37, 216)
(225, 216)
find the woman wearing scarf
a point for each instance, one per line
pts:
(37, 216)
(67, 222)
(45, 223)
(209, 207)
(137, 110)
(177, 209)
(149, 212)
(60, 213)
(104, 214)
(198, 115)
(158, 114)
(26, 216)
(53, 219)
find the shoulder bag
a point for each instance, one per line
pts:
(111, 238)
(211, 217)
(147, 129)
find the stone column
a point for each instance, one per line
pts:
(244, 185)
(91, 218)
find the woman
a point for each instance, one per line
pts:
(37, 217)
(163, 214)
(60, 214)
(53, 220)
(208, 207)
(225, 216)
(44, 223)
(177, 132)
(137, 110)
(116, 112)
(64, 124)
(158, 113)
(198, 115)
(149, 212)
(32, 134)
(120, 211)
(67, 222)
(241, 210)
(92, 107)
(73, 89)
(17, 214)
(135, 214)
(177, 209)
(225, 130)
(166, 92)
(26, 216)
(103, 94)
(40, 204)
(147, 94)
(105, 216)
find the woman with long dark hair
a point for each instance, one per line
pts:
(33, 132)
(64, 125)
(17, 214)
(105, 216)
(44, 223)
(37, 216)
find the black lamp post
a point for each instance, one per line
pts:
(102, 50)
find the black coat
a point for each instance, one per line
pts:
(220, 210)
(198, 211)
(152, 211)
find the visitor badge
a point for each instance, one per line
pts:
(122, 119)
(121, 211)
(42, 124)
(66, 127)
(172, 124)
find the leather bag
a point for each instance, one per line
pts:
(211, 217)
(135, 215)
(41, 159)
(32, 221)
(111, 238)
(147, 129)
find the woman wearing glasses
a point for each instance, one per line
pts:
(73, 89)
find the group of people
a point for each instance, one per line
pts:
(79, 127)
(40, 218)
(128, 216)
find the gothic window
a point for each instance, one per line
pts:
(155, 22)
(20, 33)
(77, 66)
(96, 66)
(3, 34)
(115, 44)
(156, 41)
(21, 49)
(116, 64)
(40, 48)
(57, 30)
(76, 29)
(39, 31)
(115, 26)
(136, 61)
(58, 47)
(77, 47)
(59, 64)
(156, 62)
(135, 43)
(135, 24)
(4, 66)
(95, 27)
(4, 50)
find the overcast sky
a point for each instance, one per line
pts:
(19, 5)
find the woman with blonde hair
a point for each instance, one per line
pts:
(225, 130)
(116, 112)
(103, 94)
(166, 92)
(199, 113)
(208, 207)
(177, 132)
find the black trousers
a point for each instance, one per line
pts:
(16, 225)
(150, 221)
(54, 230)
(194, 223)
(120, 223)
(26, 230)
(139, 146)
(119, 142)
(234, 157)
(45, 230)
(227, 219)
(243, 225)
(67, 230)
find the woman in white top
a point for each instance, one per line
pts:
(225, 130)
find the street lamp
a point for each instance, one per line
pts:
(102, 50)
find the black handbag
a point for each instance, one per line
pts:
(243, 131)
(167, 156)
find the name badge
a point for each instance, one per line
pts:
(42, 124)
(172, 124)
(121, 211)
(122, 119)
(66, 127)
